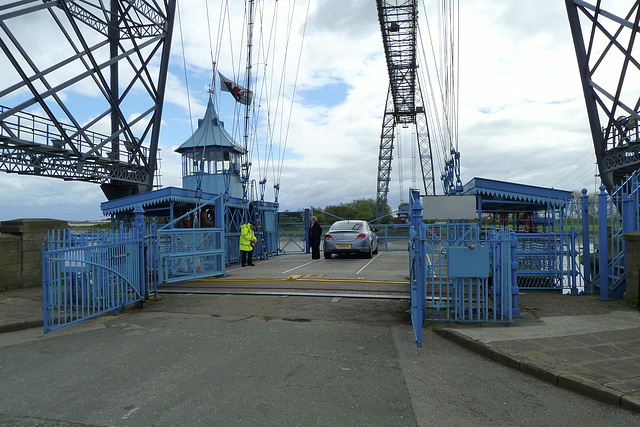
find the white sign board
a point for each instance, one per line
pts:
(449, 207)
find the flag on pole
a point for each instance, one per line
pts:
(242, 95)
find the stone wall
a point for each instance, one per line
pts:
(632, 266)
(21, 251)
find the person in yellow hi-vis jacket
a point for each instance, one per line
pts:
(247, 239)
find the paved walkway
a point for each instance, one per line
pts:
(579, 343)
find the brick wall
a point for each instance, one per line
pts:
(21, 251)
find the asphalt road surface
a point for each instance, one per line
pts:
(247, 360)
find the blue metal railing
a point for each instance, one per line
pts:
(190, 253)
(457, 273)
(87, 274)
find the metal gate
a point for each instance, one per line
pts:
(292, 231)
(190, 253)
(460, 272)
(86, 274)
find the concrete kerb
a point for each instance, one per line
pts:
(565, 380)
(630, 403)
(20, 325)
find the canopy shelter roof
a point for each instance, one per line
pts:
(210, 133)
(157, 201)
(508, 196)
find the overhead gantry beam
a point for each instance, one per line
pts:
(117, 52)
(398, 24)
(605, 49)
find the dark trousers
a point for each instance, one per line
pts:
(246, 257)
(315, 252)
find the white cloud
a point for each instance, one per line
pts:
(521, 110)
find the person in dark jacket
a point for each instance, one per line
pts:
(315, 234)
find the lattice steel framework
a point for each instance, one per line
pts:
(398, 24)
(114, 51)
(610, 76)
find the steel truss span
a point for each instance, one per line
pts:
(604, 41)
(405, 105)
(55, 52)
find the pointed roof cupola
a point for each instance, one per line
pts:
(210, 133)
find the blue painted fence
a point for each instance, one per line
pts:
(86, 274)
(458, 273)
(605, 220)
(90, 273)
(190, 253)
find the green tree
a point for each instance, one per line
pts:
(364, 209)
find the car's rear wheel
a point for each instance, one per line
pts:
(327, 255)
(369, 253)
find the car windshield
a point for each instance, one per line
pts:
(346, 226)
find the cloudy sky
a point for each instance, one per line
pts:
(521, 113)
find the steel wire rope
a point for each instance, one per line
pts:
(279, 97)
(572, 171)
(203, 156)
(263, 59)
(267, 90)
(399, 162)
(236, 127)
(446, 78)
(279, 114)
(435, 130)
(204, 160)
(251, 132)
(184, 64)
(273, 118)
(431, 109)
(276, 171)
(304, 30)
(225, 17)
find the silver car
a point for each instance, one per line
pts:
(354, 236)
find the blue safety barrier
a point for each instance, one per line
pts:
(190, 253)
(458, 273)
(86, 274)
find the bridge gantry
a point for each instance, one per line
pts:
(115, 51)
(605, 49)
(405, 105)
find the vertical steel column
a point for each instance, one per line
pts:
(162, 83)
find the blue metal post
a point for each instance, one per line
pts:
(603, 244)
(628, 217)
(45, 288)
(417, 235)
(139, 235)
(514, 277)
(494, 244)
(218, 212)
(574, 266)
(586, 244)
